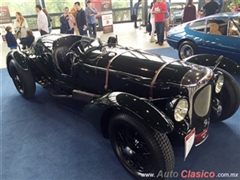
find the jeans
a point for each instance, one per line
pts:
(71, 31)
(42, 32)
(50, 30)
(160, 31)
(92, 30)
(153, 28)
(81, 31)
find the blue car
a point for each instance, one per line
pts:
(217, 34)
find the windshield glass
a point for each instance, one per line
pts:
(175, 7)
(237, 22)
(88, 43)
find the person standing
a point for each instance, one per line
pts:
(135, 12)
(81, 19)
(220, 5)
(42, 21)
(159, 9)
(20, 25)
(152, 39)
(11, 41)
(189, 12)
(91, 13)
(166, 16)
(49, 20)
(210, 8)
(73, 11)
(67, 22)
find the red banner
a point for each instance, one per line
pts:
(4, 15)
(104, 8)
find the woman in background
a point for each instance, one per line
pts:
(152, 39)
(67, 22)
(20, 25)
(189, 12)
(49, 20)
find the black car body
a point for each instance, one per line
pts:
(134, 98)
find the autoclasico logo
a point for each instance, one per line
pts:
(188, 174)
(199, 174)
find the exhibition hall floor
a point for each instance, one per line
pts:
(47, 139)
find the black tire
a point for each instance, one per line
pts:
(22, 79)
(130, 139)
(229, 96)
(187, 49)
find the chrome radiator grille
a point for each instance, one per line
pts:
(202, 101)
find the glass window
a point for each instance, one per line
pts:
(121, 15)
(232, 29)
(56, 6)
(217, 26)
(198, 26)
(26, 7)
(237, 21)
(116, 4)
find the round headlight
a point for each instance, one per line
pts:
(181, 110)
(219, 83)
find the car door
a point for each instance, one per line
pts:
(195, 32)
(217, 40)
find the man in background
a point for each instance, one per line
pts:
(91, 13)
(42, 21)
(220, 5)
(135, 12)
(159, 9)
(166, 16)
(81, 19)
(210, 8)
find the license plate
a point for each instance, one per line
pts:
(189, 141)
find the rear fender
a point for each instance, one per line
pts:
(210, 60)
(100, 110)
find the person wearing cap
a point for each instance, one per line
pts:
(91, 13)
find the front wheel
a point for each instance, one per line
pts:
(187, 49)
(142, 151)
(22, 79)
(229, 96)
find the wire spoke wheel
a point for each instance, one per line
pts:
(139, 148)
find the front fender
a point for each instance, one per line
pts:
(210, 60)
(124, 102)
(19, 57)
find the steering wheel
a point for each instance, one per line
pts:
(75, 46)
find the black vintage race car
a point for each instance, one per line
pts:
(136, 99)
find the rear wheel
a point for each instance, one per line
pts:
(229, 96)
(143, 152)
(187, 49)
(22, 79)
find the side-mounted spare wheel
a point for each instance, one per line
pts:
(22, 79)
(143, 152)
(229, 96)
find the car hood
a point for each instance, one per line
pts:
(143, 65)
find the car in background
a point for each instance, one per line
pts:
(217, 34)
(176, 11)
